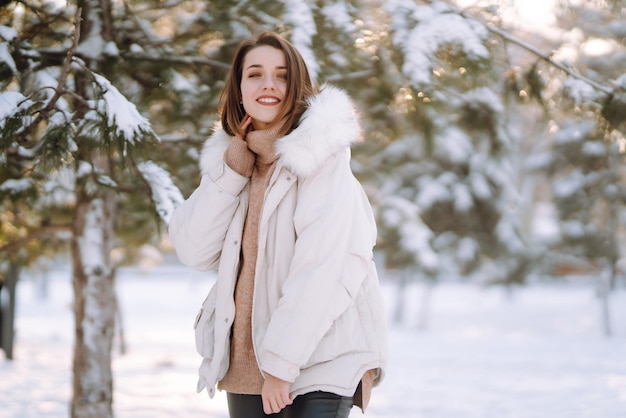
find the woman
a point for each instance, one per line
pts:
(295, 323)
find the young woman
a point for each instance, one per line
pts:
(295, 323)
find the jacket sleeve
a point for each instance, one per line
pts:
(198, 226)
(336, 234)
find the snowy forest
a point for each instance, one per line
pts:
(495, 138)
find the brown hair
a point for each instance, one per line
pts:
(299, 85)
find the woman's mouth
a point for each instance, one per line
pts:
(268, 100)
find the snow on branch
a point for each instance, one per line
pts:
(533, 50)
(415, 237)
(122, 116)
(421, 31)
(12, 103)
(6, 58)
(300, 17)
(7, 33)
(165, 195)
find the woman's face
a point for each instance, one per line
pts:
(263, 84)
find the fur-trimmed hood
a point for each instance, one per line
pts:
(329, 124)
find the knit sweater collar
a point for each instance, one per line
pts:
(262, 143)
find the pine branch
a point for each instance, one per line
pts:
(54, 56)
(173, 59)
(548, 58)
(35, 234)
(350, 76)
(58, 92)
(535, 51)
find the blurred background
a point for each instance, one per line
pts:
(493, 154)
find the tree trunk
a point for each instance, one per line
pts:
(7, 317)
(94, 307)
(423, 313)
(92, 241)
(604, 293)
(400, 302)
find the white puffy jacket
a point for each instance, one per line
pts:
(318, 319)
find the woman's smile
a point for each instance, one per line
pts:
(268, 100)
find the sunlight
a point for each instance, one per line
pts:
(595, 47)
(534, 15)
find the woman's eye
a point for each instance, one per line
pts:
(254, 75)
(282, 76)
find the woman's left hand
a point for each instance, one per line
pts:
(275, 394)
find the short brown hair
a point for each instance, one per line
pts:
(299, 85)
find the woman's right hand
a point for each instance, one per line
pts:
(275, 394)
(243, 127)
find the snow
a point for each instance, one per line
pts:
(338, 14)
(570, 185)
(454, 145)
(480, 186)
(594, 149)
(180, 83)
(5, 57)
(59, 188)
(122, 115)
(16, 185)
(92, 45)
(507, 234)
(580, 91)
(7, 33)
(574, 132)
(415, 237)
(573, 229)
(534, 353)
(463, 201)
(11, 103)
(299, 16)
(46, 81)
(435, 28)
(165, 194)
(431, 191)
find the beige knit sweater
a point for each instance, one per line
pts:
(256, 158)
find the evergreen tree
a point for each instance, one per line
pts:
(586, 160)
(73, 145)
(444, 166)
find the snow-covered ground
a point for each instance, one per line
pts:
(537, 353)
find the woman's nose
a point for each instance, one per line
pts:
(268, 83)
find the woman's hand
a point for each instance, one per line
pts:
(275, 394)
(243, 127)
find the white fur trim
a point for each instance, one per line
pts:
(329, 125)
(213, 150)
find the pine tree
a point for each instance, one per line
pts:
(444, 165)
(74, 144)
(586, 159)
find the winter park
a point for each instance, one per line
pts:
(491, 147)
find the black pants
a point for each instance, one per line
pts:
(309, 405)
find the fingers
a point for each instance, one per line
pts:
(275, 395)
(275, 404)
(245, 124)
